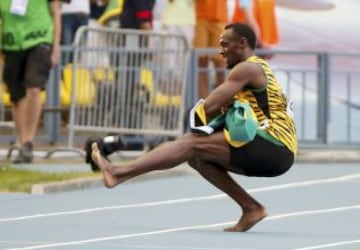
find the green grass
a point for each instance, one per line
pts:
(18, 180)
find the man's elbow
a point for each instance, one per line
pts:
(145, 26)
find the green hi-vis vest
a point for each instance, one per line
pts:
(28, 29)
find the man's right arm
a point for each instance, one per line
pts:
(56, 18)
(243, 74)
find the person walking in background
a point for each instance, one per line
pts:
(269, 152)
(74, 14)
(210, 18)
(30, 42)
(97, 8)
(260, 15)
(137, 14)
(172, 22)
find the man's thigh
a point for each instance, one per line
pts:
(38, 66)
(214, 39)
(201, 34)
(14, 69)
(215, 30)
(67, 29)
(212, 148)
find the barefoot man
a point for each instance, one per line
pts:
(269, 153)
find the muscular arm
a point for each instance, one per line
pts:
(55, 12)
(243, 74)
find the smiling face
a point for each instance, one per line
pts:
(229, 48)
(237, 43)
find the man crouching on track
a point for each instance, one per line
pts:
(267, 149)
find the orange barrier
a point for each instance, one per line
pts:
(264, 12)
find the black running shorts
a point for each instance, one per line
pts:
(261, 158)
(27, 68)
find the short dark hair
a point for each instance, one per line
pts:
(243, 30)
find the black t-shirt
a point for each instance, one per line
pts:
(96, 11)
(136, 12)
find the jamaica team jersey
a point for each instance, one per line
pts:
(272, 108)
(25, 23)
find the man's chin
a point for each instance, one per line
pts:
(231, 64)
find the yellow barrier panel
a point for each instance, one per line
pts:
(157, 98)
(5, 96)
(84, 87)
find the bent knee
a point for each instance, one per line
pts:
(196, 161)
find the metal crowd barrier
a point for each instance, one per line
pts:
(141, 84)
(129, 82)
(6, 123)
(324, 87)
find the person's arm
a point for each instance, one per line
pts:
(243, 74)
(144, 13)
(55, 12)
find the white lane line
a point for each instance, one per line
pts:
(313, 212)
(178, 229)
(148, 247)
(192, 199)
(334, 244)
(23, 242)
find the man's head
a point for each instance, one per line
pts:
(237, 43)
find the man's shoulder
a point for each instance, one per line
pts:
(246, 65)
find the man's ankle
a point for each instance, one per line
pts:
(28, 146)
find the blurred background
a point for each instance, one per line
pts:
(316, 60)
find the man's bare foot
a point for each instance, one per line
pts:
(106, 167)
(248, 220)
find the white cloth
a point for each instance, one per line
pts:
(179, 12)
(76, 6)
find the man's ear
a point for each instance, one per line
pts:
(242, 42)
